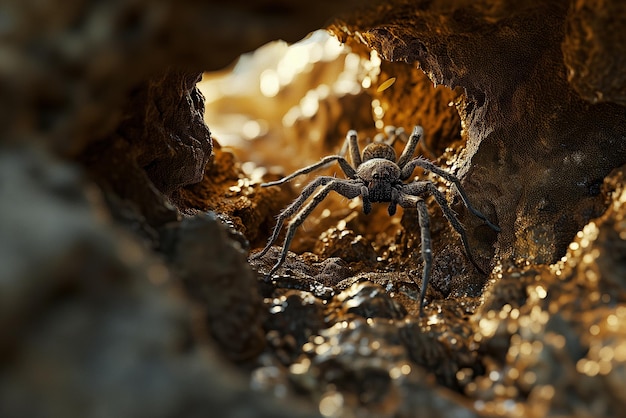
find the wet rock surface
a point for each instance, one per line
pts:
(125, 284)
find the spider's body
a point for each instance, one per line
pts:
(380, 177)
(376, 176)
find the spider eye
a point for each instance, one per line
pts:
(376, 175)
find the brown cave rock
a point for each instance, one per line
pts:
(161, 145)
(214, 271)
(594, 50)
(227, 190)
(173, 143)
(99, 104)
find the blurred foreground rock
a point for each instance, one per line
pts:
(92, 323)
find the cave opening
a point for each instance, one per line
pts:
(283, 107)
(303, 97)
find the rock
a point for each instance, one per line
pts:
(132, 196)
(359, 364)
(172, 143)
(214, 271)
(68, 73)
(91, 322)
(593, 50)
(544, 337)
(161, 145)
(226, 189)
(543, 341)
(294, 316)
(97, 79)
(241, 26)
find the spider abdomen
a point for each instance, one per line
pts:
(379, 150)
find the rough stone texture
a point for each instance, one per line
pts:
(415, 101)
(172, 143)
(594, 49)
(545, 338)
(160, 145)
(542, 340)
(76, 74)
(93, 323)
(262, 21)
(564, 325)
(133, 196)
(67, 71)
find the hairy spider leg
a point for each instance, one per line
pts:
(404, 137)
(428, 165)
(355, 152)
(365, 197)
(395, 197)
(291, 209)
(411, 145)
(419, 187)
(343, 163)
(352, 144)
(345, 188)
(390, 135)
(410, 201)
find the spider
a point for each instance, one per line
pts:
(376, 176)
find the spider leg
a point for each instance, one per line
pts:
(428, 165)
(409, 201)
(395, 197)
(448, 213)
(343, 187)
(352, 143)
(355, 152)
(343, 163)
(291, 209)
(365, 196)
(410, 146)
(391, 135)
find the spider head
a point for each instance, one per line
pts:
(379, 150)
(379, 175)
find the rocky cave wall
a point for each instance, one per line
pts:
(114, 282)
